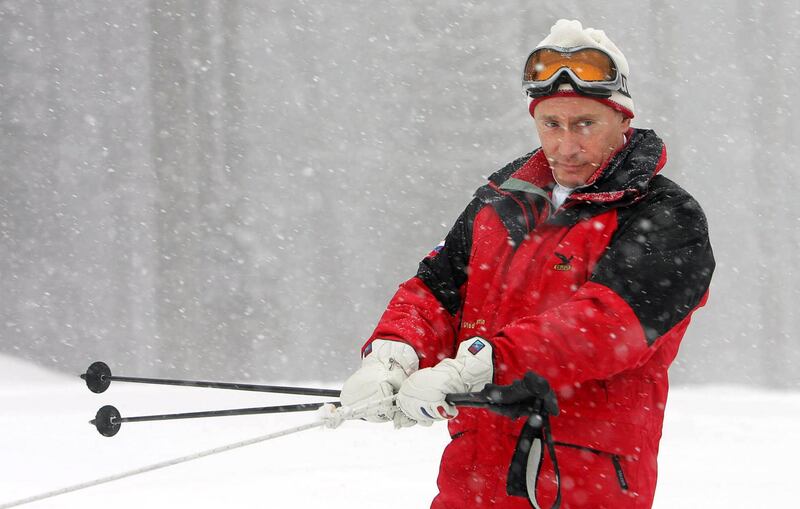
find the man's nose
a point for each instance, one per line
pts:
(568, 144)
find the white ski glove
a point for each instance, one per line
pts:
(422, 396)
(384, 368)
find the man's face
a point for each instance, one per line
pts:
(578, 135)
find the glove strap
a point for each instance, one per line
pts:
(523, 474)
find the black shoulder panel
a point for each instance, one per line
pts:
(446, 271)
(660, 259)
(515, 211)
(519, 211)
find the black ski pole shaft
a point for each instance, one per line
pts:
(108, 419)
(303, 407)
(98, 377)
(304, 391)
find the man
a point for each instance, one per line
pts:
(577, 262)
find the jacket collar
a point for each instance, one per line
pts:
(623, 178)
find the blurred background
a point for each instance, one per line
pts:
(233, 189)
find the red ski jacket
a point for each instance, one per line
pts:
(595, 297)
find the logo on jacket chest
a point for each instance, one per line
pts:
(565, 262)
(477, 324)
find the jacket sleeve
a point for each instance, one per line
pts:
(655, 271)
(425, 311)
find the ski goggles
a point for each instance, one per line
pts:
(591, 71)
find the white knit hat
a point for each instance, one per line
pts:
(570, 34)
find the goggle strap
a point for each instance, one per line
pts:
(565, 78)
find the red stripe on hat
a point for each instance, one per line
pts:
(571, 93)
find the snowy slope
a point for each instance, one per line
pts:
(722, 447)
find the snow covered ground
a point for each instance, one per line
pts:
(722, 447)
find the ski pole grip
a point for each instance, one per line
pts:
(467, 399)
(530, 395)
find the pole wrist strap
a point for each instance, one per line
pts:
(523, 474)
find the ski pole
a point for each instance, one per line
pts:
(98, 378)
(468, 399)
(163, 464)
(331, 419)
(108, 419)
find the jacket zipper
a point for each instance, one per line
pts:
(623, 483)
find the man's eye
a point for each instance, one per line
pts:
(585, 123)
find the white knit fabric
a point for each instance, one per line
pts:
(570, 34)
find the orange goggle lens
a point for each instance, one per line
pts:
(588, 64)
